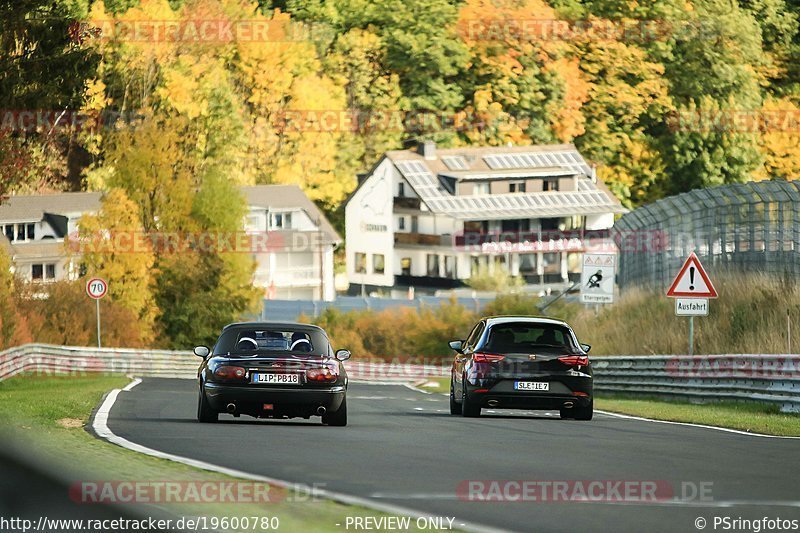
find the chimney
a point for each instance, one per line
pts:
(427, 149)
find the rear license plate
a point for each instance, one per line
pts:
(275, 379)
(531, 385)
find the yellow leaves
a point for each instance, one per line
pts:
(568, 121)
(779, 142)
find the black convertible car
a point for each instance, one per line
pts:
(521, 363)
(272, 370)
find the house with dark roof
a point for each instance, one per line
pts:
(296, 263)
(430, 218)
(34, 228)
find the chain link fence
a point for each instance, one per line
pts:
(750, 227)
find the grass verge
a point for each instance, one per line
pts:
(48, 416)
(755, 418)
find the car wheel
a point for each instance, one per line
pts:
(584, 412)
(338, 417)
(580, 412)
(204, 411)
(468, 408)
(455, 409)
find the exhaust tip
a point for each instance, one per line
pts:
(493, 403)
(569, 405)
(231, 407)
(321, 410)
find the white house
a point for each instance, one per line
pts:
(429, 218)
(296, 264)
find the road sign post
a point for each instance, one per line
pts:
(692, 288)
(96, 288)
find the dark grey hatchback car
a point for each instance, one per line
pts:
(519, 362)
(272, 370)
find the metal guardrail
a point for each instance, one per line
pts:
(767, 378)
(773, 379)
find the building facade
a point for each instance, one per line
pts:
(296, 263)
(431, 218)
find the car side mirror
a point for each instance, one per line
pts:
(586, 347)
(343, 355)
(201, 351)
(457, 346)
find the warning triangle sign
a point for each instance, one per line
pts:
(692, 281)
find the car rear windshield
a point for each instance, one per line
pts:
(272, 340)
(522, 337)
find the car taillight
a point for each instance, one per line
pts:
(487, 357)
(574, 360)
(326, 374)
(230, 372)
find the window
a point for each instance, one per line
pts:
(20, 232)
(405, 266)
(550, 184)
(527, 263)
(517, 187)
(401, 223)
(551, 262)
(378, 264)
(414, 224)
(401, 189)
(361, 263)
(282, 220)
(550, 224)
(10, 232)
(31, 231)
(480, 188)
(475, 336)
(43, 271)
(433, 265)
(450, 267)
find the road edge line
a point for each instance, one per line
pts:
(690, 424)
(99, 425)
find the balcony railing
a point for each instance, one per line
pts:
(424, 239)
(288, 277)
(402, 202)
(556, 239)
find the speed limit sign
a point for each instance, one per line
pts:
(96, 288)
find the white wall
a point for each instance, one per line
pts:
(370, 225)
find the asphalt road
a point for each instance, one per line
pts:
(403, 448)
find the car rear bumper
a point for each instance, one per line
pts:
(284, 401)
(529, 401)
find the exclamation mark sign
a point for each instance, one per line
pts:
(691, 278)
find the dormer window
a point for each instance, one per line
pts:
(281, 220)
(550, 184)
(516, 187)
